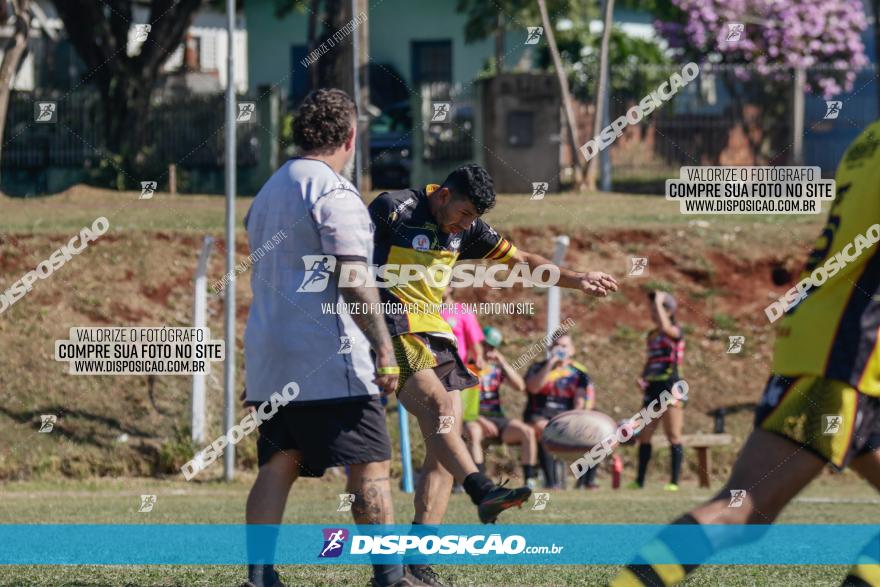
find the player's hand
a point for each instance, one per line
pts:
(643, 385)
(598, 284)
(387, 383)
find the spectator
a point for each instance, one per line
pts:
(491, 422)
(556, 385)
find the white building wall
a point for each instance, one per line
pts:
(208, 26)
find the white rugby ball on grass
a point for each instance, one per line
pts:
(570, 434)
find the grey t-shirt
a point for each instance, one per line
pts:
(290, 334)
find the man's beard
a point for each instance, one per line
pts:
(348, 169)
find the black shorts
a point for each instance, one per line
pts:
(416, 351)
(531, 417)
(499, 422)
(327, 435)
(655, 388)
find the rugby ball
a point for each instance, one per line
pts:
(572, 433)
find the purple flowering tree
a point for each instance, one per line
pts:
(823, 36)
(777, 37)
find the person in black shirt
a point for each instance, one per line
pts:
(492, 422)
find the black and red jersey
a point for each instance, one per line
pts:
(562, 385)
(491, 378)
(665, 355)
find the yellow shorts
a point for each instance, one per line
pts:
(416, 351)
(828, 417)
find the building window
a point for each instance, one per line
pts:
(300, 81)
(431, 61)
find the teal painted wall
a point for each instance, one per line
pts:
(393, 25)
(269, 41)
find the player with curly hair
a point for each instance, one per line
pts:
(338, 418)
(430, 228)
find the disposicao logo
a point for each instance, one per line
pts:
(334, 539)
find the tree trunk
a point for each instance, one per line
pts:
(499, 44)
(311, 40)
(602, 89)
(574, 142)
(100, 36)
(125, 108)
(362, 63)
(13, 51)
(335, 66)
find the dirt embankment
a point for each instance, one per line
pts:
(137, 425)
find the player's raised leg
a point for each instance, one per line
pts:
(435, 483)
(426, 397)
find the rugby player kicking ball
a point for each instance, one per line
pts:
(439, 225)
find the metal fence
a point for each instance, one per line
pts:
(182, 128)
(447, 116)
(732, 116)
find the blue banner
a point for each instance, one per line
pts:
(64, 544)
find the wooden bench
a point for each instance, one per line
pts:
(702, 443)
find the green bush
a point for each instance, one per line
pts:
(173, 453)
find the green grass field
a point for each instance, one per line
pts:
(140, 274)
(314, 501)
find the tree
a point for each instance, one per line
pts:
(485, 19)
(98, 31)
(336, 67)
(877, 44)
(16, 12)
(602, 86)
(816, 43)
(574, 140)
(627, 56)
(497, 17)
(779, 35)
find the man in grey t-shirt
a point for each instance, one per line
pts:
(298, 331)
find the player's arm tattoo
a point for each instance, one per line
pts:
(371, 321)
(372, 502)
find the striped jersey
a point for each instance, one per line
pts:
(491, 377)
(665, 355)
(561, 387)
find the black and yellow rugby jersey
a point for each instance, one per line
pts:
(407, 234)
(832, 333)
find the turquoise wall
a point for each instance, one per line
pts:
(393, 25)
